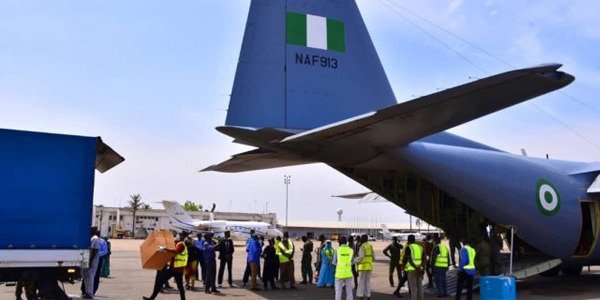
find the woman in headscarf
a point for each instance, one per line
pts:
(327, 272)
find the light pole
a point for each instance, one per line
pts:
(287, 179)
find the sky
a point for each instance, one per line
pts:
(153, 79)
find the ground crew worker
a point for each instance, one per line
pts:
(414, 264)
(466, 269)
(440, 258)
(365, 259)
(343, 261)
(427, 245)
(178, 264)
(277, 253)
(393, 252)
(286, 262)
(404, 274)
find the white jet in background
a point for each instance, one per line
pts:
(181, 220)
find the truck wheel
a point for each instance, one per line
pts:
(49, 289)
(550, 273)
(572, 271)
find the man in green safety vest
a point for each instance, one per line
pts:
(343, 261)
(440, 258)
(414, 262)
(286, 261)
(466, 269)
(177, 265)
(365, 259)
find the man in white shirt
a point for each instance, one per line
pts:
(87, 275)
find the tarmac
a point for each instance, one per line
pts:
(129, 281)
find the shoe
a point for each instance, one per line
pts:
(255, 289)
(144, 297)
(207, 292)
(215, 291)
(231, 285)
(303, 282)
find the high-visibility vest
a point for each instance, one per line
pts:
(367, 263)
(181, 258)
(441, 260)
(277, 252)
(471, 252)
(328, 252)
(284, 250)
(416, 255)
(402, 254)
(343, 268)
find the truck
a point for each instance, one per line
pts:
(46, 203)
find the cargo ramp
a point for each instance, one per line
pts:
(524, 266)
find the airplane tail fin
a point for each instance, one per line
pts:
(304, 64)
(176, 212)
(385, 231)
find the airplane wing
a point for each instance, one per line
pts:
(409, 121)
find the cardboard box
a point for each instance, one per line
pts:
(151, 258)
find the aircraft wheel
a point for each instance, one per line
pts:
(551, 273)
(572, 271)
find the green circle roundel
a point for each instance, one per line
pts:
(547, 198)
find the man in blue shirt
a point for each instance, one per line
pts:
(254, 250)
(200, 245)
(466, 269)
(209, 256)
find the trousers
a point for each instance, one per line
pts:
(415, 283)
(364, 284)
(339, 287)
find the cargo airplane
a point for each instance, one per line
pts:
(309, 87)
(181, 220)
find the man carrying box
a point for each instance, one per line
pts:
(177, 265)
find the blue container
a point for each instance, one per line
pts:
(46, 190)
(497, 288)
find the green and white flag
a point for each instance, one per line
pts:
(315, 32)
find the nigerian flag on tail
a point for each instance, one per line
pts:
(315, 32)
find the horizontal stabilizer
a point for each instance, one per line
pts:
(409, 121)
(258, 159)
(595, 187)
(367, 197)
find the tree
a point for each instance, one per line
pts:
(136, 204)
(191, 206)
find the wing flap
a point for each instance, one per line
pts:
(415, 119)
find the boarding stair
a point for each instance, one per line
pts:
(524, 265)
